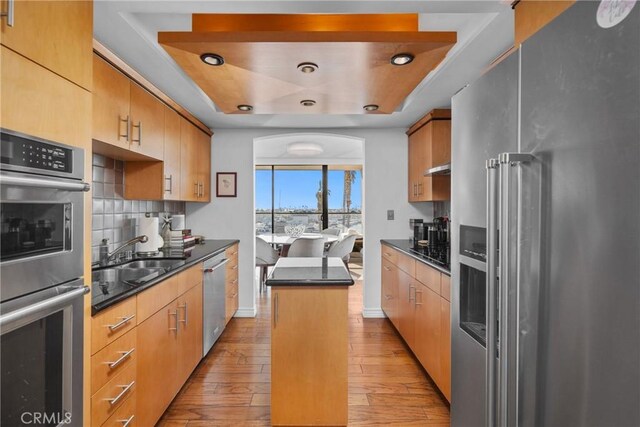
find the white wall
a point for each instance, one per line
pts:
(385, 187)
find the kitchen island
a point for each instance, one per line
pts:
(309, 341)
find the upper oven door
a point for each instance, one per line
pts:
(42, 230)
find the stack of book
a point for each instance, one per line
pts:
(181, 239)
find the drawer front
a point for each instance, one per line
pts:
(156, 297)
(232, 268)
(406, 264)
(112, 323)
(113, 359)
(125, 415)
(112, 395)
(389, 254)
(231, 288)
(190, 278)
(428, 276)
(445, 287)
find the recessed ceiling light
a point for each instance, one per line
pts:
(304, 149)
(308, 102)
(212, 59)
(402, 59)
(245, 107)
(371, 107)
(307, 67)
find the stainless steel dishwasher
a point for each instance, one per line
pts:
(213, 301)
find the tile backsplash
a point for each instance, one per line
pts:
(114, 218)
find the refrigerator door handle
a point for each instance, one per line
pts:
(506, 416)
(491, 279)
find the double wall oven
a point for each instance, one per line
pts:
(41, 292)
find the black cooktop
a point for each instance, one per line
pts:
(438, 254)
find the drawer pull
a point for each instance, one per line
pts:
(234, 295)
(176, 316)
(387, 268)
(235, 282)
(185, 314)
(127, 421)
(388, 297)
(125, 355)
(122, 322)
(387, 254)
(235, 267)
(125, 389)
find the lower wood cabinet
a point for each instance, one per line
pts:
(231, 285)
(418, 306)
(189, 332)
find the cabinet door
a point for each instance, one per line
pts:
(413, 156)
(156, 368)
(55, 34)
(445, 348)
(190, 332)
(203, 164)
(427, 335)
(424, 162)
(390, 291)
(406, 306)
(38, 102)
(111, 120)
(171, 155)
(147, 123)
(188, 162)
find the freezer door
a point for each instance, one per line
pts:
(579, 232)
(484, 124)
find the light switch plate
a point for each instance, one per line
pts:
(390, 214)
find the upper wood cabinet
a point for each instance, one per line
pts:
(171, 173)
(532, 15)
(147, 123)
(54, 34)
(203, 143)
(429, 146)
(111, 99)
(195, 163)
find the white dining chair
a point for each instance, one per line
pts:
(331, 231)
(266, 256)
(343, 248)
(307, 247)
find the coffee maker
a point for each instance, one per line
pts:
(419, 228)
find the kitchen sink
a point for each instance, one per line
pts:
(131, 276)
(167, 264)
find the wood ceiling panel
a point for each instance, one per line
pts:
(354, 67)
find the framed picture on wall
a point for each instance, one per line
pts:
(226, 185)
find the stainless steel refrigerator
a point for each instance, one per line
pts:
(546, 229)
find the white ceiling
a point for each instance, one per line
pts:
(129, 29)
(337, 149)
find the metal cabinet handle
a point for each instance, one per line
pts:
(9, 13)
(386, 268)
(127, 421)
(127, 120)
(419, 189)
(139, 140)
(275, 310)
(491, 279)
(235, 281)
(185, 314)
(125, 389)
(170, 179)
(414, 295)
(196, 192)
(415, 300)
(201, 189)
(175, 313)
(388, 297)
(125, 355)
(235, 267)
(388, 254)
(121, 323)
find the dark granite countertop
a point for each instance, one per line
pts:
(405, 246)
(104, 295)
(309, 272)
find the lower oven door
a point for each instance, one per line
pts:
(42, 228)
(41, 342)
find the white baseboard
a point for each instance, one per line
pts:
(373, 313)
(246, 312)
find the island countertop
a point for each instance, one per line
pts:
(316, 271)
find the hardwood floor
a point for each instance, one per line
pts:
(387, 386)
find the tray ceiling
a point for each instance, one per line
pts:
(262, 53)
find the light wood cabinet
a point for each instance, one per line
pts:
(57, 35)
(171, 175)
(422, 312)
(309, 352)
(203, 148)
(429, 146)
(195, 163)
(532, 15)
(147, 123)
(157, 355)
(189, 333)
(231, 285)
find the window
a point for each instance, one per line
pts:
(293, 195)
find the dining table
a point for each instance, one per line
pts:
(283, 241)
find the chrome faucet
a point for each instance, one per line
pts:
(105, 258)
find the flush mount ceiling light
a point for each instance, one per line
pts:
(402, 59)
(371, 107)
(304, 149)
(245, 107)
(307, 67)
(212, 59)
(308, 102)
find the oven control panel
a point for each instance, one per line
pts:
(18, 151)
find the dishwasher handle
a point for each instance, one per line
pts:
(220, 264)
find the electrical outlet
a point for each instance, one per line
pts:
(390, 214)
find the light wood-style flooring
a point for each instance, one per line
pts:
(231, 385)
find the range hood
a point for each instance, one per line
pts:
(439, 170)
